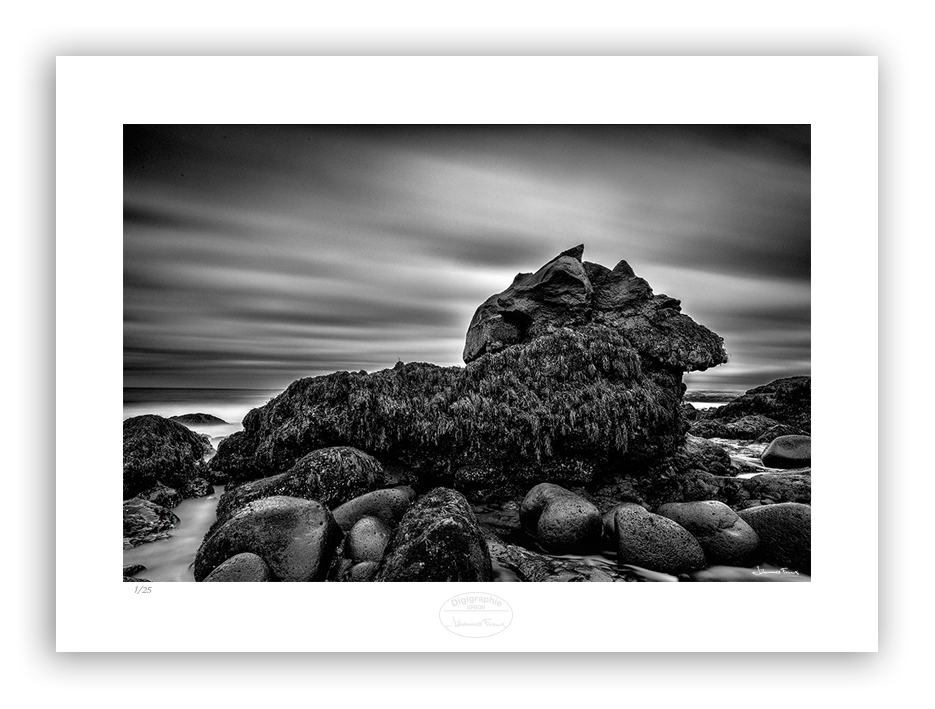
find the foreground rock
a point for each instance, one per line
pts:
(388, 505)
(144, 521)
(367, 540)
(785, 532)
(329, 475)
(655, 542)
(244, 567)
(725, 538)
(198, 420)
(296, 539)
(788, 452)
(157, 450)
(561, 521)
(438, 539)
(787, 401)
(162, 495)
(574, 373)
(531, 566)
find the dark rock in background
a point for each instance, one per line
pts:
(156, 449)
(788, 401)
(197, 419)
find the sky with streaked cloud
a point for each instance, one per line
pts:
(256, 255)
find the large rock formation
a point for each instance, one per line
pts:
(569, 292)
(157, 450)
(573, 375)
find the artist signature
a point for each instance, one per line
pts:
(760, 571)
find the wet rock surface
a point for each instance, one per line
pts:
(785, 532)
(438, 539)
(245, 567)
(157, 450)
(655, 542)
(144, 521)
(296, 538)
(788, 452)
(725, 538)
(561, 521)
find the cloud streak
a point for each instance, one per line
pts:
(254, 255)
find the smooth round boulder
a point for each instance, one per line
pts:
(785, 532)
(388, 505)
(367, 540)
(364, 571)
(788, 452)
(438, 539)
(654, 542)
(561, 521)
(725, 538)
(295, 537)
(244, 567)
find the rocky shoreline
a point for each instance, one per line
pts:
(564, 438)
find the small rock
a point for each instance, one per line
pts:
(367, 539)
(388, 505)
(162, 495)
(364, 571)
(241, 567)
(788, 452)
(655, 542)
(142, 518)
(561, 521)
(133, 569)
(725, 538)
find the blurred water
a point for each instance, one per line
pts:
(172, 559)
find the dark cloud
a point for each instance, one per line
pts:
(257, 254)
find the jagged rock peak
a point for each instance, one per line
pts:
(569, 292)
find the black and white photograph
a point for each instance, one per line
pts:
(467, 353)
